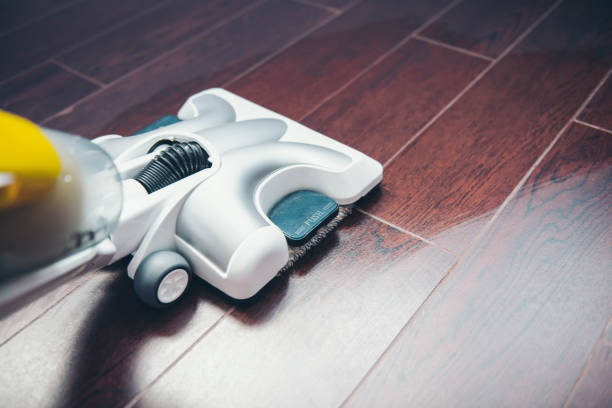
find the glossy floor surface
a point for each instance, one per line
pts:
(478, 274)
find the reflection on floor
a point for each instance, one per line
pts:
(476, 275)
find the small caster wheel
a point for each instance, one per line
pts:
(162, 278)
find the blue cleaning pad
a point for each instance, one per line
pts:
(300, 214)
(164, 121)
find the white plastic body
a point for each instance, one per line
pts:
(217, 218)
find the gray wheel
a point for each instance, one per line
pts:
(162, 278)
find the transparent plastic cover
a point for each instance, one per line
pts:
(82, 209)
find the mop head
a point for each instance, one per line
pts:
(297, 252)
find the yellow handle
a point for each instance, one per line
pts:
(29, 165)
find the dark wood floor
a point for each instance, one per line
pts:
(478, 274)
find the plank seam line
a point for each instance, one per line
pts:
(600, 341)
(486, 228)
(77, 73)
(283, 48)
(151, 61)
(399, 333)
(405, 231)
(587, 124)
(44, 311)
(139, 396)
(469, 86)
(381, 58)
(169, 52)
(524, 179)
(453, 48)
(473, 243)
(78, 44)
(319, 6)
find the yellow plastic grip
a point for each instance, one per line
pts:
(29, 165)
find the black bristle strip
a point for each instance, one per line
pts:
(176, 162)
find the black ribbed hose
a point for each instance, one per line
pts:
(176, 162)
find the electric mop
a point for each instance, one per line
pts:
(226, 190)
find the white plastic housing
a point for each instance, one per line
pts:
(217, 218)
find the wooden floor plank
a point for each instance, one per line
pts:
(294, 82)
(311, 335)
(16, 14)
(101, 346)
(486, 28)
(383, 109)
(447, 184)
(162, 87)
(515, 321)
(599, 111)
(33, 44)
(13, 323)
(120, 51)
(43, 91)
(593, 388)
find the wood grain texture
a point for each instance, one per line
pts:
(515, 321)
(19, 319)
(120, 51)
(101, 346)
(163, 87)
(599, 111)
(311, 335)
(383, 109)
(485, 27)
(448, 183)
(296, 80)
(593, 389)
(15, 14)
(43, 91)
(35, 43)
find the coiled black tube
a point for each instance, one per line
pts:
(174, 163)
